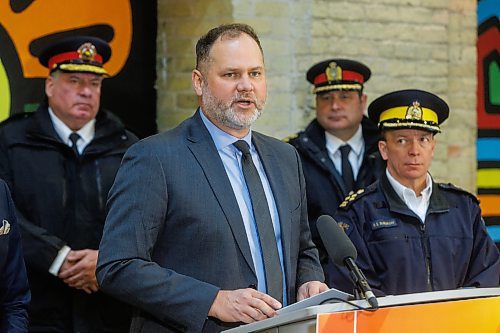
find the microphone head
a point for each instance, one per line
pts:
(335, 240)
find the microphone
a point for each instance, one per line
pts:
(343, 253)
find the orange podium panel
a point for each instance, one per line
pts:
(480, 315)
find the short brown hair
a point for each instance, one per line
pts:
(232, 30)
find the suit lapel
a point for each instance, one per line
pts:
(274, 175)
(203, 148)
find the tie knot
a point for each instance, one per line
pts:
(74, 137)
(242, 146)
(345, 150)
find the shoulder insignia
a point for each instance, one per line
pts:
(353, 196)
(451, 187)
(290, 137)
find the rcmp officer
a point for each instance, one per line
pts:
(339, 147)
(59, 163)
(412, 233)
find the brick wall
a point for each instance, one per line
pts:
(425, 44)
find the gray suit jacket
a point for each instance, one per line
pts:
(174, 235)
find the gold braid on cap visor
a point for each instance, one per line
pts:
(398, 117)
(353, 86)
(82, 68)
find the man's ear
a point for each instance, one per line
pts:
(197, 81)
(434, 142)
(49, 84)
(382, 147)
(363, 99)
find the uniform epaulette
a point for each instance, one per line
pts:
(290, 137)
(17, 116)
(451, 187)
(353, 196)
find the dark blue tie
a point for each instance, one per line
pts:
(347, 173)
(265, 230)
(74, 137)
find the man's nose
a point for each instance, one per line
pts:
(85, 90)
(245, 83)
(335, 104)
(414, 147)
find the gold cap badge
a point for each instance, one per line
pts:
(87, 52)
(333, 72)
(414, 111)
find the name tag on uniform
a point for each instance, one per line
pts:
(379, 224)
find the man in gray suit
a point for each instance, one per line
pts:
(182, 240)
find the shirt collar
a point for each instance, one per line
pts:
(86, 133)
(402, 191)
(221, 138)
(356, 142)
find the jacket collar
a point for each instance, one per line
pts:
(437, 203)
(41, 127)
(41, 130)
(316, 134)
(371, 135)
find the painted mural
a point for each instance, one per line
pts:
(27, 26)
(488, 113)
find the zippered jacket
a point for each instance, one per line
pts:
(399, 254)
(60, 200)
(324, 184)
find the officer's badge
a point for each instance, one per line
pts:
(414, 111)
(344, 226)
(87, 52)
(333, 72)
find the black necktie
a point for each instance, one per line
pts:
(74, 137)
(265, 230)
(347, 174)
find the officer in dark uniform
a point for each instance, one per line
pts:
(413, 234)
(339, 147)
(60, 162)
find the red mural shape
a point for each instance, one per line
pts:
(487, 45)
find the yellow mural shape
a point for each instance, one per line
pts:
(488, 178)
(4, 93)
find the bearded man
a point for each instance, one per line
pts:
(207, 223)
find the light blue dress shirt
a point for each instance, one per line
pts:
(231, 158)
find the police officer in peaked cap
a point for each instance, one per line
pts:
(339, 147)
(412, 233)
(60, 162)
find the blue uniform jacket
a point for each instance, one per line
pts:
(399, 254)
(14, 290)
(324, 185)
